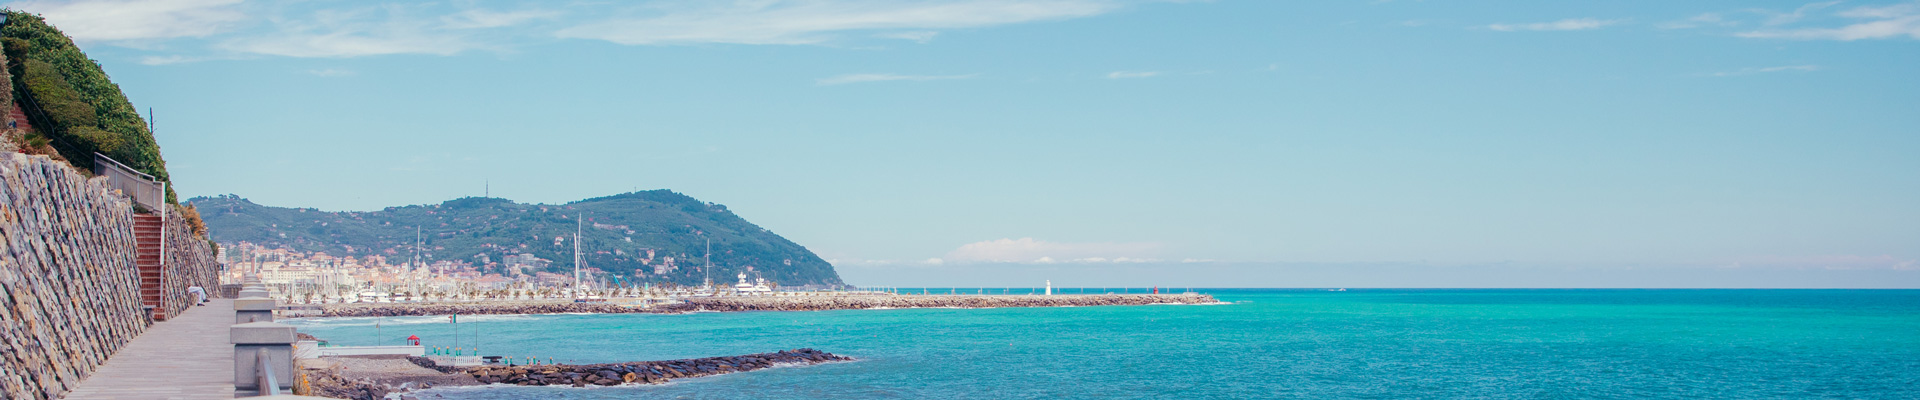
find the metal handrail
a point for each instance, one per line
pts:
(149, 178)
(263, 367)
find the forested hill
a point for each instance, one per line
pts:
(619, 231)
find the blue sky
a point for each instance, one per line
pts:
(1263, 143)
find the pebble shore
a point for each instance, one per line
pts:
(770, 303)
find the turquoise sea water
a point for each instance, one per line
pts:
(1266, 344)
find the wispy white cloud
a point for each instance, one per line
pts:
(1783, 68)
(329, 72)
(1030, 251)
(1783, 18)
(196, 30)
(813, 22)
(1875, 22)
(1571, 24)
(134, 20)
(166, 60)
(858, 78)
(916, 36)
(1697, 21)
(1132, 74)
(481, 18)
(356, 32)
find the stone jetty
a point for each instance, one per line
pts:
(647, 372)
(806, 303)
(762, 303)
(376, 379)
(471, 308)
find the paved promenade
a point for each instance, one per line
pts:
(185, 357)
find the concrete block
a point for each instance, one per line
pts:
(262, 333)
(250, 316)
(245, 293)
(254, 304)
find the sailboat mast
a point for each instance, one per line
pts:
(416, 258)
(578, 227)
(709, 259)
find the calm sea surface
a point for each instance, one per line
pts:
(1266, 344)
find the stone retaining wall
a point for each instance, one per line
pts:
(66, 276)
(190, 262)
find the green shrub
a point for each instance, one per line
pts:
(16, 48)
(31, 37)
(56, 97)
(108, 143)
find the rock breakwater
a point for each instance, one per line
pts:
(768, 303)
(369, 379)
(936, 301)
(645, 372)
(474, 308)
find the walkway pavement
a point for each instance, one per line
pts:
(189, 356)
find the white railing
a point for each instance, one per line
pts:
(146, 190)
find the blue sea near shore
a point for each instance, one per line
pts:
(1265, 344)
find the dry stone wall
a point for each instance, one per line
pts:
(190, 262)
(67, 276)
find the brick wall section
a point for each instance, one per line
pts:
(67, 276)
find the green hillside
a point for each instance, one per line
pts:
(74, 107)
(619, 231)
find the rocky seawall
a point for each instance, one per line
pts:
(368, 379)
(808, 303)
(649, 372)
(771, 303)
(67, 276)
(475, 308)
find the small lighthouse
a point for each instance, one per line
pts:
(1049, 287)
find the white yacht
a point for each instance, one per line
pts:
(759, 287)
